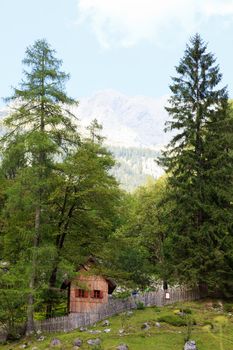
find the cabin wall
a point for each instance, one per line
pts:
(89, 283)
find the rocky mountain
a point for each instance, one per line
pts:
(133, 127)
(136, 121)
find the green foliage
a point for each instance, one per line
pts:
(199, 164)
(227, 307)
(60, 201)
(12, 301)
(173, 320)
(140, 305)
(122, 295)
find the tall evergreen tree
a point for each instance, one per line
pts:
(40, 129)
(200, 167)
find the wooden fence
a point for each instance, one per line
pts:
(115, 306)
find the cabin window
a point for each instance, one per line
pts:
(81, 293)
(97, 294)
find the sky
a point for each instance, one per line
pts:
(130, 46)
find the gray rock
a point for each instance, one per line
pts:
(94, 331)
(122, 347)
(41, 338)
(83, 329)
(145, 326)
(55, 342)
(23, 346)
(107, 330)
(121, 331)
(106, 323)
(190, 345)
(158, 324)
(96, 341)
(77, 342)
(129, 313)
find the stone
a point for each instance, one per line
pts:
(41, 338)
(83, 329)
(129, 313)
(190, 345)
(107, 330)
(121, 331)
(23, 346)
(77, 342)
(55, 342)
(94, 331)
(145, 326)
(106, 323)
(158, 324)
(122, 347)
(76, 348)
(96, 341)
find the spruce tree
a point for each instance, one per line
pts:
(39, 127)
(200, 166)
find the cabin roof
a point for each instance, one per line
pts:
(92, 260)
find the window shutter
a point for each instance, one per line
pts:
(86, 294)
(92, 294)
(101, 294)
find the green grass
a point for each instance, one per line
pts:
(213, 329)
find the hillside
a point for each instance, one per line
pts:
(129, 121)
(135, 165)
(149, 329)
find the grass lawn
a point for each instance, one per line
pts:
(212, 329)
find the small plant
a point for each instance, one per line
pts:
(125, 316)
(228, 307)
(173, 320)
(157, 309)
(97, 347)
(189, 322)
(122, 295)
(187, 311)
(140, 305)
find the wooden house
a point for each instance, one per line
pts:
(87, 291)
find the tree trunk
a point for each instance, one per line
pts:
(30, 307)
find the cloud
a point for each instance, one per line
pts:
(127, 22)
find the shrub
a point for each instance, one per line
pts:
(228, 307)
(140, 305)
(156, 308)
(173, 320)
(208, 323)
(187, 311)
(122, 295)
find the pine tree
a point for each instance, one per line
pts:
(83, 207)
(40, 129)
(200, 167)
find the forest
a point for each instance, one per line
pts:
(60, 202)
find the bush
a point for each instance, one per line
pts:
(186, 311)
(208, 323)
(173, 320)
(228, 307)
(140, 305)
(156, 308)
(122, 295)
